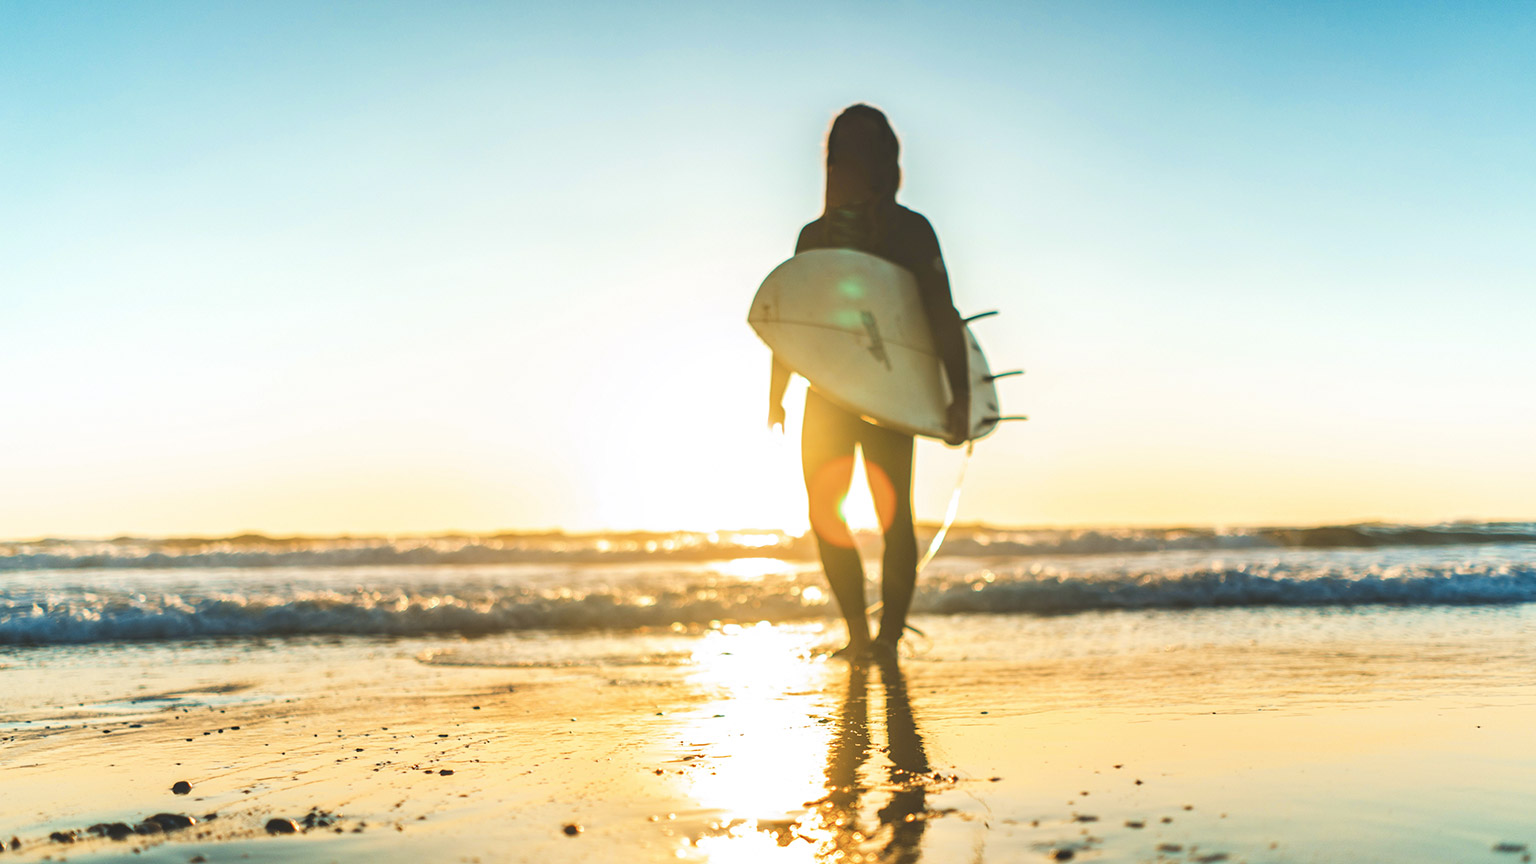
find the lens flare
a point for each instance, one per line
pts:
(834, 509)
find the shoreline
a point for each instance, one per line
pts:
(754, 748)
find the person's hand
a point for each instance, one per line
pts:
(776, 416)
(957, 424)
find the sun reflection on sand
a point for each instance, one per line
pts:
(784, 769)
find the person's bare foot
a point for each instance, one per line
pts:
(884, 650)
(856, 651)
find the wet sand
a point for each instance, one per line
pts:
(754, 749)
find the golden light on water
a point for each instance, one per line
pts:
(755, 569)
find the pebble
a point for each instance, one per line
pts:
(172, 821)
(319, 819)
(1062, 854)
(1211, 858)
(281, 826)
(181, 787)
(62, 836)
(1135, 823)
(1169, 847)
(446, 772)
(1510, 847)
(571, 829)
(1083, 817)
(115, 830)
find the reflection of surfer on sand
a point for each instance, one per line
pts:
(909, 778)
(861, 213)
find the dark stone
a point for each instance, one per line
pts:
(1063, 855)
(446, 772)
(319, 819)
(115, 830)
(172, 821)
(147, 827)
(282, 826)
(62, 836)
(571, 829)
(181, 787)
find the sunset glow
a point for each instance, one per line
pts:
(352, 271)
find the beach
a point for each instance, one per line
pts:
(1249, 732)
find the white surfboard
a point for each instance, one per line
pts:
(853, 325)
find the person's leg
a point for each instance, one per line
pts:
(888, 462)
(828, 437)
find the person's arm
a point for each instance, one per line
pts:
(947, 327)
(778, 380)
(777, 383)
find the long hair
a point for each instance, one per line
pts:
(862, 158)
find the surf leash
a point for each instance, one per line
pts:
(938, 539)
(949, 514)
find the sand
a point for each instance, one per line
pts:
(752, 748)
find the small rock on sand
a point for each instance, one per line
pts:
(181, 787)
(1510, 847)
(172, 821)
(571, 829)
(1135, 823)
(62, 836)
(1062, 854)
(1169, 847)
(115, 830)
(282, 826)
(446, 772)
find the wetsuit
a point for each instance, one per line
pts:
(830, 433)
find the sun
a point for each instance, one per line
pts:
(858, 506)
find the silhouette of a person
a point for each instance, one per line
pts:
(861, 212)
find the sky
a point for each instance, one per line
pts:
(404, 267)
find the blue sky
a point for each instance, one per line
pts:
(389, 267)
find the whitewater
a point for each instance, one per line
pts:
(56, 592)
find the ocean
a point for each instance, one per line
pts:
(1356, 692)
(58, 592)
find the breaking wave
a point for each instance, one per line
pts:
(255, 550)
(475, 607)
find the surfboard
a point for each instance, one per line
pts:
(853, 325)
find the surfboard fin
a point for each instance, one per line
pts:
(987, 314)
(1008, 374)
(1004, 419)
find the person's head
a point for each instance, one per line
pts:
(862, 157)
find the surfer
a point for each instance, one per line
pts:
(863, 174)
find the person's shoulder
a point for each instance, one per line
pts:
(810, 236)
(913, 224)
(903, 212)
